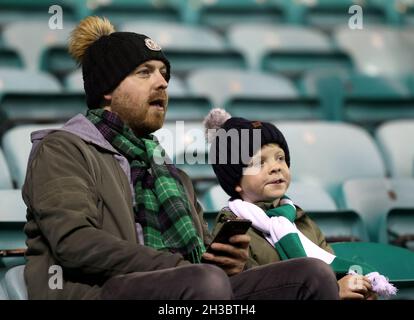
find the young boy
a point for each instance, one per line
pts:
(257, 187)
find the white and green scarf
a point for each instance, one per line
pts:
(280, 231)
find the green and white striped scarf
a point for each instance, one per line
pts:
(279, 229)
(161, 204)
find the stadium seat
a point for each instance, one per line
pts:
(374, 198)
(12, 237)
(31, 38)
(223, 13)
(3, 293)
(376, 50)
(35, 10)
(56, 60)
(326, 14)
(327, 154)
(357, 98)
(243, 93)
(25, 81)
(17, 145)
(28, 97)
(15, 283)
(393, 262)
(5, 178)
(286, 49)
(9, 58)
(394, 139)
(120, 11)
(188, 47)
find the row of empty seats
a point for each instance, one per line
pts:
(218, 13)
(29, 96)
(375, 50)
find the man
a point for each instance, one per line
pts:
(120, 224)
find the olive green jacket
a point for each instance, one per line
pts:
(80, 215)
(260, 250)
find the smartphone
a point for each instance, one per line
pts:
(229, 229)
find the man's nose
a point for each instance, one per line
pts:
(160, 81)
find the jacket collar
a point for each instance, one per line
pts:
(81, 127)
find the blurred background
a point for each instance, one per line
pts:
(343, 97)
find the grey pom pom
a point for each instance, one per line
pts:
(213, 121)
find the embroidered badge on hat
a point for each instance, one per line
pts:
(152, 45)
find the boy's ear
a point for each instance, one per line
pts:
(238, 189)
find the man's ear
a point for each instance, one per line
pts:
(238, 189)
(108, 97)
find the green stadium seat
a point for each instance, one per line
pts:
(37, 10)
(188, 47)
(56, 60)
(10, 58)
(329, 153)
(15, 284)
(31, 38)
(120, 11)
(326, 14)
(374, 198)
(221, 14)
(17, 146)
(290, 50)
(394, 140)
(243, 93)
(393, 262)
(5, 178)
(358, 98)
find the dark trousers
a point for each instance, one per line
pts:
(295, 279)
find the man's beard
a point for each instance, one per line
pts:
(143, 120)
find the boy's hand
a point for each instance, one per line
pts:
(355, 287)
(234, 255)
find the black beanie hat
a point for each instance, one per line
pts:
(229, 174)
(113, 57)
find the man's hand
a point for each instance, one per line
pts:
(355, 287)
(234, 255)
